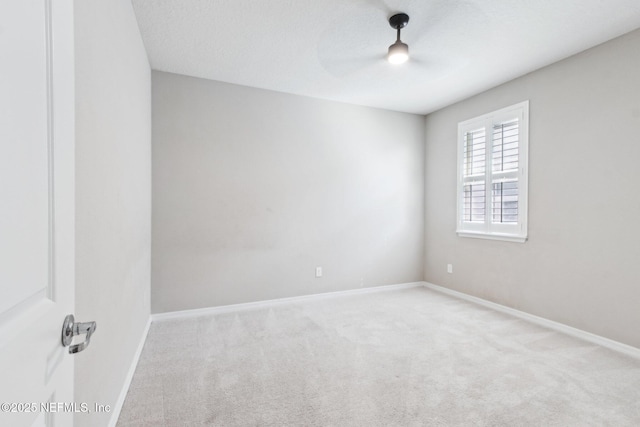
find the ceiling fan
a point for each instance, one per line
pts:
(360, 51)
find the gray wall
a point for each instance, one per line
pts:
(253, 189)
(113, 196)
(581, 265)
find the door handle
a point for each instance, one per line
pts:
(70, 329)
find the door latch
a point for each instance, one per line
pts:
(70, 329)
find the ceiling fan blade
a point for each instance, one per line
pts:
(343, 67)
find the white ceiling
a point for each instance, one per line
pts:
(335, 49)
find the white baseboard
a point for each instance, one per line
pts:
(117, 407)
(560, 327)
(260, 304)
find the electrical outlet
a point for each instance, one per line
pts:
(449, 268)
(318, 271)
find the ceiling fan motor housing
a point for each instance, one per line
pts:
(399, 20)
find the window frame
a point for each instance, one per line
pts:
(517, 232)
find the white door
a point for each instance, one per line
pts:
(36, 210)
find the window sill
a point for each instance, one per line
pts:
(495, 236)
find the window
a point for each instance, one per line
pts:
(492, 175)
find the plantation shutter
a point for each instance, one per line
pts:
(504, 172)
(474, 170)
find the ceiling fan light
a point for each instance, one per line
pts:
(398, 53)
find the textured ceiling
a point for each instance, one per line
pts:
(335, 49)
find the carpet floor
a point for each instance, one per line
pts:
(411, 357)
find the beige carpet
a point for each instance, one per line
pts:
(411, 357)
